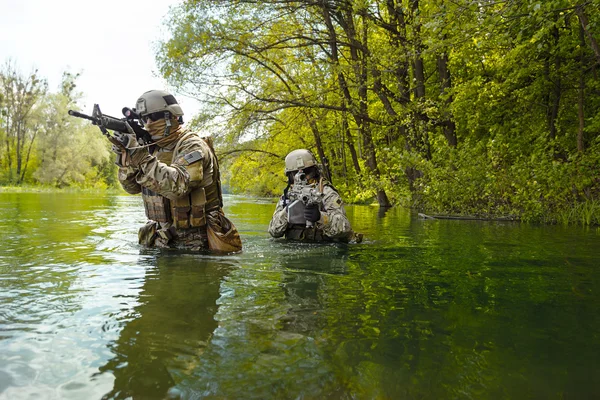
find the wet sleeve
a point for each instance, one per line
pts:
(178, 179)
(333, 221)
(279, 222)
(127, 178)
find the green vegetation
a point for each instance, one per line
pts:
(40, 144)
(487, 108)
(465, 107)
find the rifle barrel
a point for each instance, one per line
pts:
(81, 115)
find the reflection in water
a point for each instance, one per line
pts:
(268, 343)
(420, 309)
(163, 337)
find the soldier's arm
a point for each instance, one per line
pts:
(333, 221)
(279, 222)
(127, 178)
(179, 178)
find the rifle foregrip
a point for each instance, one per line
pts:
(114, 124)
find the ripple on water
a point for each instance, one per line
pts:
(422, 310)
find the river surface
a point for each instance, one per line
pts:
(421, 309)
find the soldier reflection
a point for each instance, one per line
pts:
(269, 342)
(306, 279)
(165, 335)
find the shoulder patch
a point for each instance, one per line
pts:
(193, 157)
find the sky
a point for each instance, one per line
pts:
(110, 42)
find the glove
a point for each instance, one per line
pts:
(312, 213)
(131, 155)
(127, 140)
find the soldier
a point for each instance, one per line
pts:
(299, 218)
(178, 176)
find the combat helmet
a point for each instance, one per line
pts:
(299, 159)
(155, 101)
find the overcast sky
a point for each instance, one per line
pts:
(109, 41)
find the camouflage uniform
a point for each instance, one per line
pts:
(180, 188)
(333, 225)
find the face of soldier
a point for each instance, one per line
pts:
(311, 175)
(157, 128)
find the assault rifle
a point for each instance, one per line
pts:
(305, 193)
(106, 123)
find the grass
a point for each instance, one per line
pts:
(586, 213)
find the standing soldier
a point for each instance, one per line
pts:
(178, 176)
(311, 208)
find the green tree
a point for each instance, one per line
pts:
(21, 99)
(462, 107)
(71, 152)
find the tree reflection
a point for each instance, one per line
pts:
(268, 343)
(165, 334)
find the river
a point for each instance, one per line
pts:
(422, 309)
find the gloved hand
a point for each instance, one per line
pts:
(118, 150)
(132, 155)
(312, 213)
(127, 140)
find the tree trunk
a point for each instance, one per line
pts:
(317, 135)
(22, 178)
(448, 125)
(556, 92)
(398, 40)
(8, 155)
(580, 143)
(350, 143)
(418, 66)
(20, 139)
(360, 114)
(584, 26)
(421, 140)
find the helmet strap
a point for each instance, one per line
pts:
(168, 123)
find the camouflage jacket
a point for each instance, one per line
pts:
(333, 224)
(173, 173)
(171, 176)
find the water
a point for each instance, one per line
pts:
(420, 310)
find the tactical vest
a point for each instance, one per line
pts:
(301, 232)
(313, 234)
(187, 211)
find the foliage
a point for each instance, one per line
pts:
(20, 109)
(42, 144)
(487, 108)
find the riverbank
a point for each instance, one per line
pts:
(586, 213)
(53, 189)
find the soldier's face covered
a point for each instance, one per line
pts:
(312, 175)
(157, 128)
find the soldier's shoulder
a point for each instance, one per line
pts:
(328, 187)
(191, 141)
(190, 137)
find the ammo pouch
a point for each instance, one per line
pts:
(302, 233)
(158, 208)
(188, 211)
